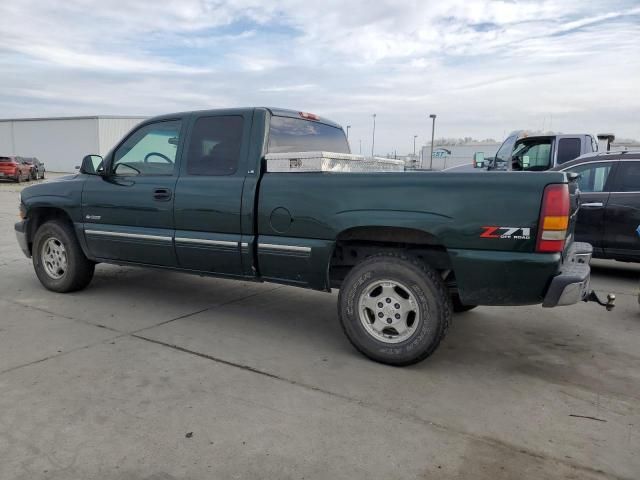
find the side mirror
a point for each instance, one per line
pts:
(478, 160)
(92, 165)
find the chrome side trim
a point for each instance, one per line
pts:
(142, 236)
(204, 241)
(244, 245)
(286, 248)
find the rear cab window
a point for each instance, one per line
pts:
(289, 134)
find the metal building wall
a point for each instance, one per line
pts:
(111, 131)
(59, 143)
(6, 139)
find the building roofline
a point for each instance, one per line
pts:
(86, 117)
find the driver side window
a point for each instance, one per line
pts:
(150, 150)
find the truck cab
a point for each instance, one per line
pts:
(523, 152)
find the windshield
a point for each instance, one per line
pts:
(504, 152)
(288, 134)
(532, 155)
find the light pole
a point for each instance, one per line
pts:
(373, 136)
(348, 127)
(433, 129)
(360, 146)
(414, 160)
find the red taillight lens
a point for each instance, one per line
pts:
(554, 219)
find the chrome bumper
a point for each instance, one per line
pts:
(571, 285)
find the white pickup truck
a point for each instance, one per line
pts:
(521, 151)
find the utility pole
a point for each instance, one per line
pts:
(360, 146)
(373, 136)
(433, 129)
(414, 145)
(348, 127)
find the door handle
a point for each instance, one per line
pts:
(592, 205)
(162, 194)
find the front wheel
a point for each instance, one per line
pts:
(58, 260)
(394, 309)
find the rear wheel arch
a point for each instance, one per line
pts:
(354, 245)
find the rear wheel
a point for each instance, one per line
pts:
(58, 260)
(394, 309)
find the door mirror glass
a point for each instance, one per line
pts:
(478, 160)
(92, 165)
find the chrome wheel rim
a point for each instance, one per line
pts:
(54, 258)
(389, 311)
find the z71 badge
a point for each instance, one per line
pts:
(515, 233)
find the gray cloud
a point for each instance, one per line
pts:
(485, 67)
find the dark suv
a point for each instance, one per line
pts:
(610, 203)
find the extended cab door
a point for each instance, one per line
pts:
(594, 182)
(128, 213)
(622, 214)
(209, 193)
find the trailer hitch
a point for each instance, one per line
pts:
(609, 304)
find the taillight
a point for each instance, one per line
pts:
(554, 219)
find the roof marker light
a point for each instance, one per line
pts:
(309, 116)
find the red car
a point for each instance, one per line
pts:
(12, 168)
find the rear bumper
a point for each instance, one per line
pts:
(21, 229)
(571, 285)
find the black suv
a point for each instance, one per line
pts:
(610, 203)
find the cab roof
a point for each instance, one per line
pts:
(280, 112)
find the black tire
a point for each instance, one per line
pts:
(34, 175)
(79, 269)
(42, 177)
(458, 306)
(430, 295)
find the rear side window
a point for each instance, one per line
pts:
(568, 149)
(628, 177)
(215, 144)
(288, 134)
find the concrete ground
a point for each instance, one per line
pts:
(157, 376)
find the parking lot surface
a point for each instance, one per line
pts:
(157, 375)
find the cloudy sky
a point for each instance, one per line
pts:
(485, 68)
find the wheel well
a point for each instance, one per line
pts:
(357, 244)
(40, 215)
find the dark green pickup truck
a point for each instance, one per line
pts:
(190, 192)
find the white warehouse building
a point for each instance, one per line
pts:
(61, 142)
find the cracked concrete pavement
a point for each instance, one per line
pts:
(160, 375)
